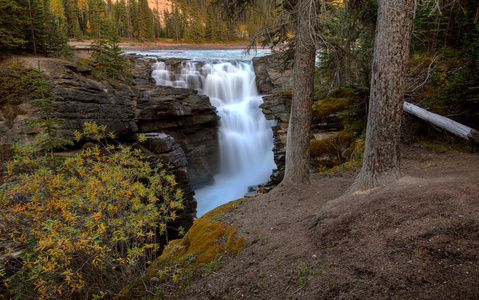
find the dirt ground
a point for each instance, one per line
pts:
(417, 238)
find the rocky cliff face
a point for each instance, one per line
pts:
(271, 77)
(276, 83)
(181, 113)
(326, 122)
(185, 123)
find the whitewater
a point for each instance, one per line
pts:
(244, 135)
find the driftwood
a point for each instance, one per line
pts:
(454, 127)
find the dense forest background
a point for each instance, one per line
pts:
(445, 36)
(49, 23)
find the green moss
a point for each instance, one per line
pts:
(328, 106)
(208, 238)
(204, 240)
(342, 92)
(355, 151)
(351, 158)
(336, 170)
(329, 146)
(16, 84)
(326, 146)
(326, 164)
(347, 136)
(284, 93)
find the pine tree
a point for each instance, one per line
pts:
(12, 34)
(48, 141)
(145, 22)
(72, 19)
(107, 58)
(120, 17)
(194, 32)
(133, 19)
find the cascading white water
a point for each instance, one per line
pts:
(245, 136)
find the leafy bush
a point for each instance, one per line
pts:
(90, 228)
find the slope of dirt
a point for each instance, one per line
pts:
(417, 238)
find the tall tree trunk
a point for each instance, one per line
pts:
(391, 53)
(297, 142)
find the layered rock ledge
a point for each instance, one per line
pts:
(180, 120)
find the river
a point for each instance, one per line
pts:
(245, 136)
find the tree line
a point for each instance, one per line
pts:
(46, 25)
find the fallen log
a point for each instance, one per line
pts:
(453, 127)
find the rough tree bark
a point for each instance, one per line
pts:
(391, 53)
(297, 141)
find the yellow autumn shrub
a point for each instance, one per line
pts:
(89, 228)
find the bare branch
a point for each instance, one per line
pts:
(428, 74)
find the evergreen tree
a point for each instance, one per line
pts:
(48, 141)
(194, 32)
(107, 58)
(120, 17)
(145, 22)
(134, 18)
(13, 25)
(48, 35)
(72, 19)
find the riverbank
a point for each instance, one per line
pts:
(136, 46)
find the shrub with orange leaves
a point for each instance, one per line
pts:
(90, 228)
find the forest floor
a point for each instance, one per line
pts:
(417, 238)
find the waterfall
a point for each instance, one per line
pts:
(245, 136)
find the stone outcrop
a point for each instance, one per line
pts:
(84, 100)
(183, 119)
(271, 77)
(162, 148)
(277, 107)
(276, 83)
(181, 113)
